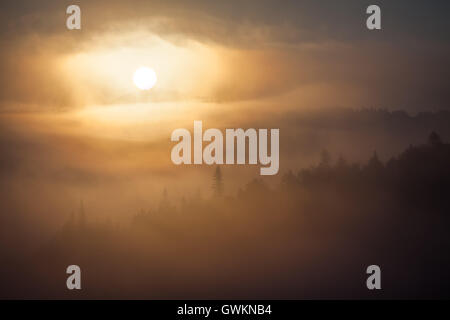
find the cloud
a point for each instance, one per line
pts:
(266, 49)
(313, 21)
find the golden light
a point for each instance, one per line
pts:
(109, 71)
(144, 78)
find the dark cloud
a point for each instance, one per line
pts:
(313, 20)
(403, 65)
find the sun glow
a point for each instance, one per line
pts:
(113, 71)
(144, 78)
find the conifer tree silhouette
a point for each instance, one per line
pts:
(218, 182)
(434, 139)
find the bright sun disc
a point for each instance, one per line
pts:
(144, 78)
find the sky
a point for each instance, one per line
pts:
(73, 123)
(306, 54)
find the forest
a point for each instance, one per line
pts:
(311, 236)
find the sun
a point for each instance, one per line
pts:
(144, 78)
